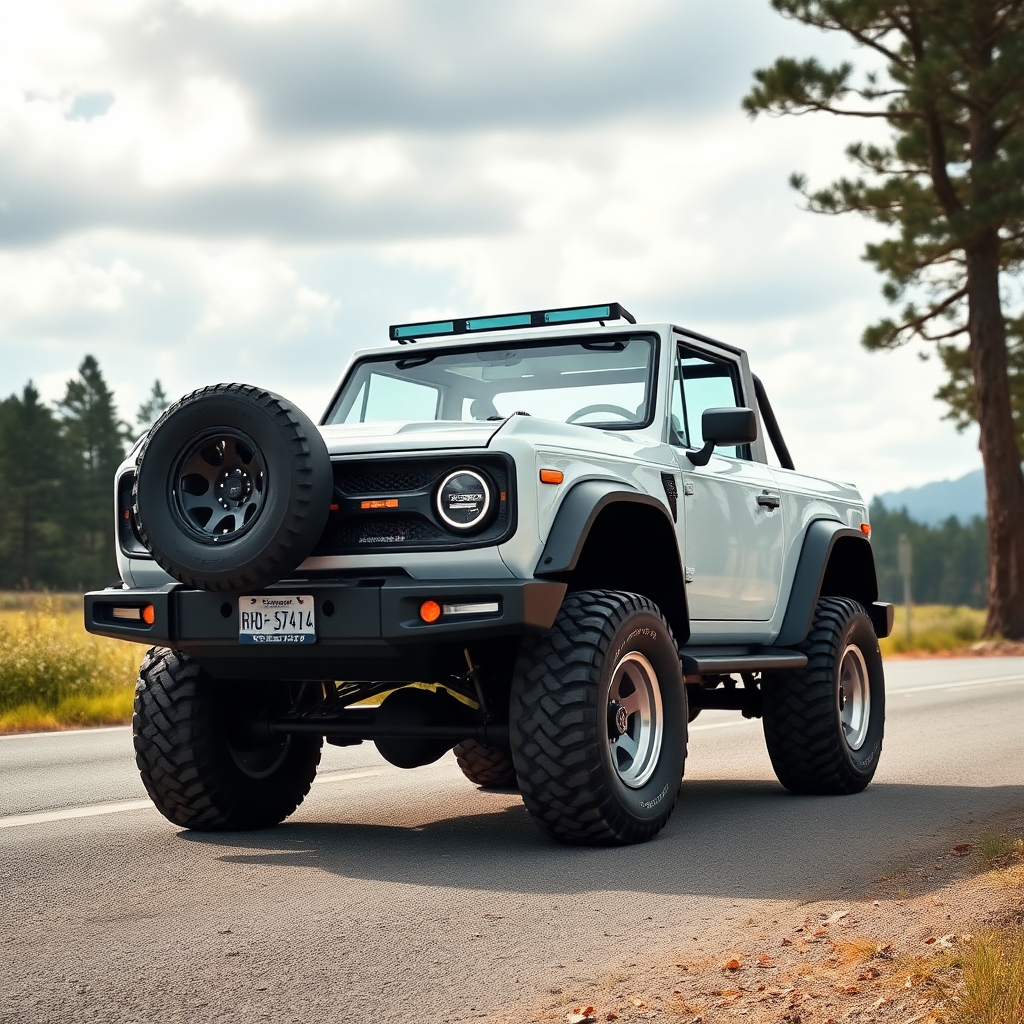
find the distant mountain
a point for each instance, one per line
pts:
(932, 503)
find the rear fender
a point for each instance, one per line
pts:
(835, 561)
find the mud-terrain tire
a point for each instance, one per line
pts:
(486, 767)
(200, 770)
(232, 489)
(583, 779)
(823, 724)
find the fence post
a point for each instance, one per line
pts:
(906, 565)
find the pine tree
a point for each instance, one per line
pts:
(950, 185)
(94, 440)
(30, 466)
(150, 410)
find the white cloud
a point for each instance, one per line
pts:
(217, 190)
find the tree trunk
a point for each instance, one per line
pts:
(1004, 482)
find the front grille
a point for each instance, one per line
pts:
(385, 529)
(414, 524)
(377, 478)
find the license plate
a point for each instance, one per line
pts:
(276, 619)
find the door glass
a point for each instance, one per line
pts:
(706, 384)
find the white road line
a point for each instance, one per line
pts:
(721, 725)
(92, 810)
(326, 780)
(994, 680)
(65, 813)
(50, 733)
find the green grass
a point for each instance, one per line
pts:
(934, 628)
(53, 674)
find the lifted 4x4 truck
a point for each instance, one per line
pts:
(547, 540)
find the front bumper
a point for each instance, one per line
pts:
(351, 616)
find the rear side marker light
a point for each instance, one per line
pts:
(865, 528)
(430, 611)
(475, 608)
(551, 476)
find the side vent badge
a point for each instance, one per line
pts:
(668, 481)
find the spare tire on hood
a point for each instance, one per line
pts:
(232, 489)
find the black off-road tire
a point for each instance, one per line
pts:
(198, 772)
(561, 721)
(803, 726)
(486, 767)
(294, 508)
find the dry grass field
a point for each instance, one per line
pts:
(53, 674)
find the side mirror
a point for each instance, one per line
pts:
(724, 426)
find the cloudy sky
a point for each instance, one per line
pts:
(208, 190)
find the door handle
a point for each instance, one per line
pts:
(766, 500)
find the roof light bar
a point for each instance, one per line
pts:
(406, 334)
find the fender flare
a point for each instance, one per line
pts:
(819, 543)
(577, 514)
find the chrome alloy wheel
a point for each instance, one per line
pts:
(854, 697)
(635, 719)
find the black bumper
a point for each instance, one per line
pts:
(352, 618)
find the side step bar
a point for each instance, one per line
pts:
(703, 661)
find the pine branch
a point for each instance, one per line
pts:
(956, 332)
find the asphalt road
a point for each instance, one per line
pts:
(396, 896)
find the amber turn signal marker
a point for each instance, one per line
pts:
(430, 611)
(149, 615)
(380, 503)
(865, 528)
(551, 476)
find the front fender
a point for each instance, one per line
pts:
(577, 514)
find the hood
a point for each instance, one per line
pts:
(350, 438)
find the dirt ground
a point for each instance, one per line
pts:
(881, 954)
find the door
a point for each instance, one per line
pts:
(734, 527)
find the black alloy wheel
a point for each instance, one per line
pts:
(218, 488)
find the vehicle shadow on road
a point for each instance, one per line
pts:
(746, 839)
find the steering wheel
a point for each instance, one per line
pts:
(616, 410)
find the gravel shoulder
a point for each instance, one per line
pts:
(884, 952)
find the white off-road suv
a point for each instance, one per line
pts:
(547, 539)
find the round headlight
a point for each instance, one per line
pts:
(463, 499)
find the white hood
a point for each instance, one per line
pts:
(397, 436)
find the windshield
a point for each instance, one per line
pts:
(595, 381)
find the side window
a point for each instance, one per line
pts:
(703, 383)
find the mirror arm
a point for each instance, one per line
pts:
(703, 456)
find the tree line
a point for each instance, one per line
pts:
(949, 564)
(57, 466)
